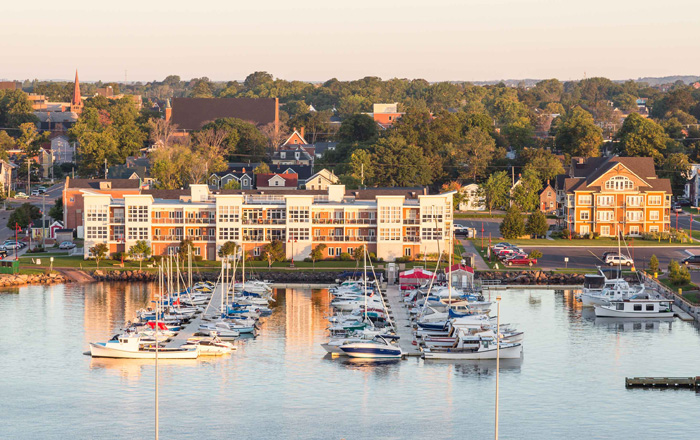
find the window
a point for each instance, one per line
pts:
(298, 234)
(634, 230)
(133, 233)
(585, 215)
(96, 213)
(635, 200)
(390, 214)
(650, 307)
(432, 234)
(637, 307)
(585, 200)
(605, 230)
(229, 213)
(276, 234)
(256, 251)
(620, 306)
(390, 234)
(351, 251)
(619, 183)
(584, 230)
(653, 229)
(431, 214)
(298, 214)
(654, 200)
(635, 216)
(137, 213)
(606, 200)
(338, 251)
(197, 250)
(407, 252)
(331, 252)
(653, 215)
(253, 234)
(605, 216)
(228, 234)
(96, 232)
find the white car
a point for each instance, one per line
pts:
(66, 245)
(21, 195)
(617, 260)
(12, 245)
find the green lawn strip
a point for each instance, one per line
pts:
(477, 215)
(674, 287)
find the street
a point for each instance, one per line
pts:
(52, 193)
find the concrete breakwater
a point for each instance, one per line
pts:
(293, 277)
(21, 280)
(532, 277)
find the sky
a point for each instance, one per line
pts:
(315, 40)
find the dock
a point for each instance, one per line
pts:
(402, 321)
(190, 329)
(663, 382)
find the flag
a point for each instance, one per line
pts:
(177, 302)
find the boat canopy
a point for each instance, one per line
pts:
(593, 281)
(415, 274)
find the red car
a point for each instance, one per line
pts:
(522, 261)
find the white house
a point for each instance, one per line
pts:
(473, 200)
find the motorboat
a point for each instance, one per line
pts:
(223, 330)
(130, 347)
(209, 346)
(635, 308)
(598, 289)
(253, 287)
(378, 348)
(480, 346)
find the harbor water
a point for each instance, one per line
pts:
(569, 383)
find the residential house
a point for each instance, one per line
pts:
(385, 115)
(472, 199)
(320, 148)
(392, 222)
(292, 155)
(244, 178)
(548, 199)
(273, 181)
(303, 172)
(6, 174)
(45, 228)
(321, 180)
(605, 195)
(692, 187)
(61, 149)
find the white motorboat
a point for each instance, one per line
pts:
(253, 287)
(601, 290)
(475, 347)
(378, 348)
(635, 308)
(129, 347)
(223, 330)
(210, 346)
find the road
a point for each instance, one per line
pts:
(52, 193)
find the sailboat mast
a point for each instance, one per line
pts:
(223, 284)
(243, 269)
(189, 268)
(364, 280)
(160, 278)
(449, 275)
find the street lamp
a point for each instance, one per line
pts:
(292, 240)
(498, 355)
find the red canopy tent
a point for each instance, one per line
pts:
(412, 278)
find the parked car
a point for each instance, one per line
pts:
(515, 255)
(617, 259)
(522, 261)
(503, 253)
(21, 244)
(605, 254)
(502, 245)
(21, 195)
(42, 189)
(678, 209)
(12, 245)
(692, 260)
(683, 202)
(66, 245)
(35, 192)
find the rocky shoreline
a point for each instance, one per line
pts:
(22, 280)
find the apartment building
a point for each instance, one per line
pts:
(609, 194)
(391, 222)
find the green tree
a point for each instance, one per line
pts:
(535, 254)
(537, 224)
(362, 166)
(15, 109)
(402, 164)
(274, 251)
(475, 152)
(228, 249)
(99, 252)
(677, 168)
(544, 163)
(526, 191)
(22, 216)
(317, 253)
(497, 190)
(240, 138)
(642, 137)
(56, 211)
(512, 225)
(263, 168)
(678, 275)
(140, 251)
(358, 128)
(520, 132)
(30, 139)
(654, 264)
(257, 79)
(458, 197)
(578, 135)
(186, 246)
(232, 184)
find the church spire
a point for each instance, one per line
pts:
(76, 102)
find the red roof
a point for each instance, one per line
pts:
(290, 179)
(416, 274)
(456, 267)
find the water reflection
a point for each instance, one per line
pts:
(479, 368)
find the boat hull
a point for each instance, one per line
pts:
(99, 350)
(603, 312)
(512, 352)
(588, 300)
(366, 351)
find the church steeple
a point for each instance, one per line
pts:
(76, 103)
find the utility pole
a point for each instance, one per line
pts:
(29, 177)
(43, 222)
(362, 174)
(105, 168)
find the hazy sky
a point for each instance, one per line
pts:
(321, 39)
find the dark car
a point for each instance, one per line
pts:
(692, 260)
(683, 202)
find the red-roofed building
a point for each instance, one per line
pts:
(276, 181)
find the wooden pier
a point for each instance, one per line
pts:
(398, 312)
(663, 382)
(212, 310)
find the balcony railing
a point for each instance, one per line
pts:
(349, 238)
(265, 221)
(167, 238)
(168, 220)
(329, 221)
(411, 221)
(116, 237)
(201, 237)
(411, 239)
(361, 221)
(201, 220)
(116, 219)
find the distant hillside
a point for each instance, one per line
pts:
(656, 81)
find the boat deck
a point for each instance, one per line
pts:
(401, 319)
(190, 329)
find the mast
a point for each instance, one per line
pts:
(449, 275)
(243, 269)
(223, 284)
(189, 267)
(364, 281)
(619, 253)
(160, 278)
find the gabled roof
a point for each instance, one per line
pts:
(95, 183)
(302, 171)
(295, 139)
(328, 175)
(263, 180)
(193, 113)
(588, 173)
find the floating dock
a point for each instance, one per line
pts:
(663, 382)
(398, 312)
(190, 329)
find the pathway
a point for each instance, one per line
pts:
(478, 259)
(190, 329)
(402, 322)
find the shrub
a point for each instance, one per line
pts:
(405, 259)
(654, 264)
(198, 258)
(535, 254)
(345, 257)
(678, 275)
(117, 256)
(537, 224)
(512, 225)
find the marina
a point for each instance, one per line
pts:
(283, 380)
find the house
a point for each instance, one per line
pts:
(62, 235)
(321, 180)
(548, 199)
(292, 155)
(462, 276)
(45, 228)
(271, 181)
(243, 176)
(193, 113)
(296, 138)
(692, 187)
(303, 172)
(320, 148)
(61, 148)
(385, 115)
(605, 195)
(6, 172)
(472, 199)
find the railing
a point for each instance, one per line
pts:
(265, 221)
(116, 219)
(329, 221)
(411, 221)
(167, 220)
(264, 199)
(411, 239)
(167, 238)
(117, 237)
(350, 238)
(199, 220)
(361, 221)
(201, 237)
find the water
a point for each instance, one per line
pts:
(570, 383)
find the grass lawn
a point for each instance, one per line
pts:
(666, 282)
(603, 242)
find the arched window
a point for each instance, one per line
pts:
(619, 183)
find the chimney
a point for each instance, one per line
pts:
(243, 170)
(168, 110)
(302, 132)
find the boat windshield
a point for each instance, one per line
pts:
(594, 282)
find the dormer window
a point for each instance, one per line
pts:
(283, 155)
(619, 183)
